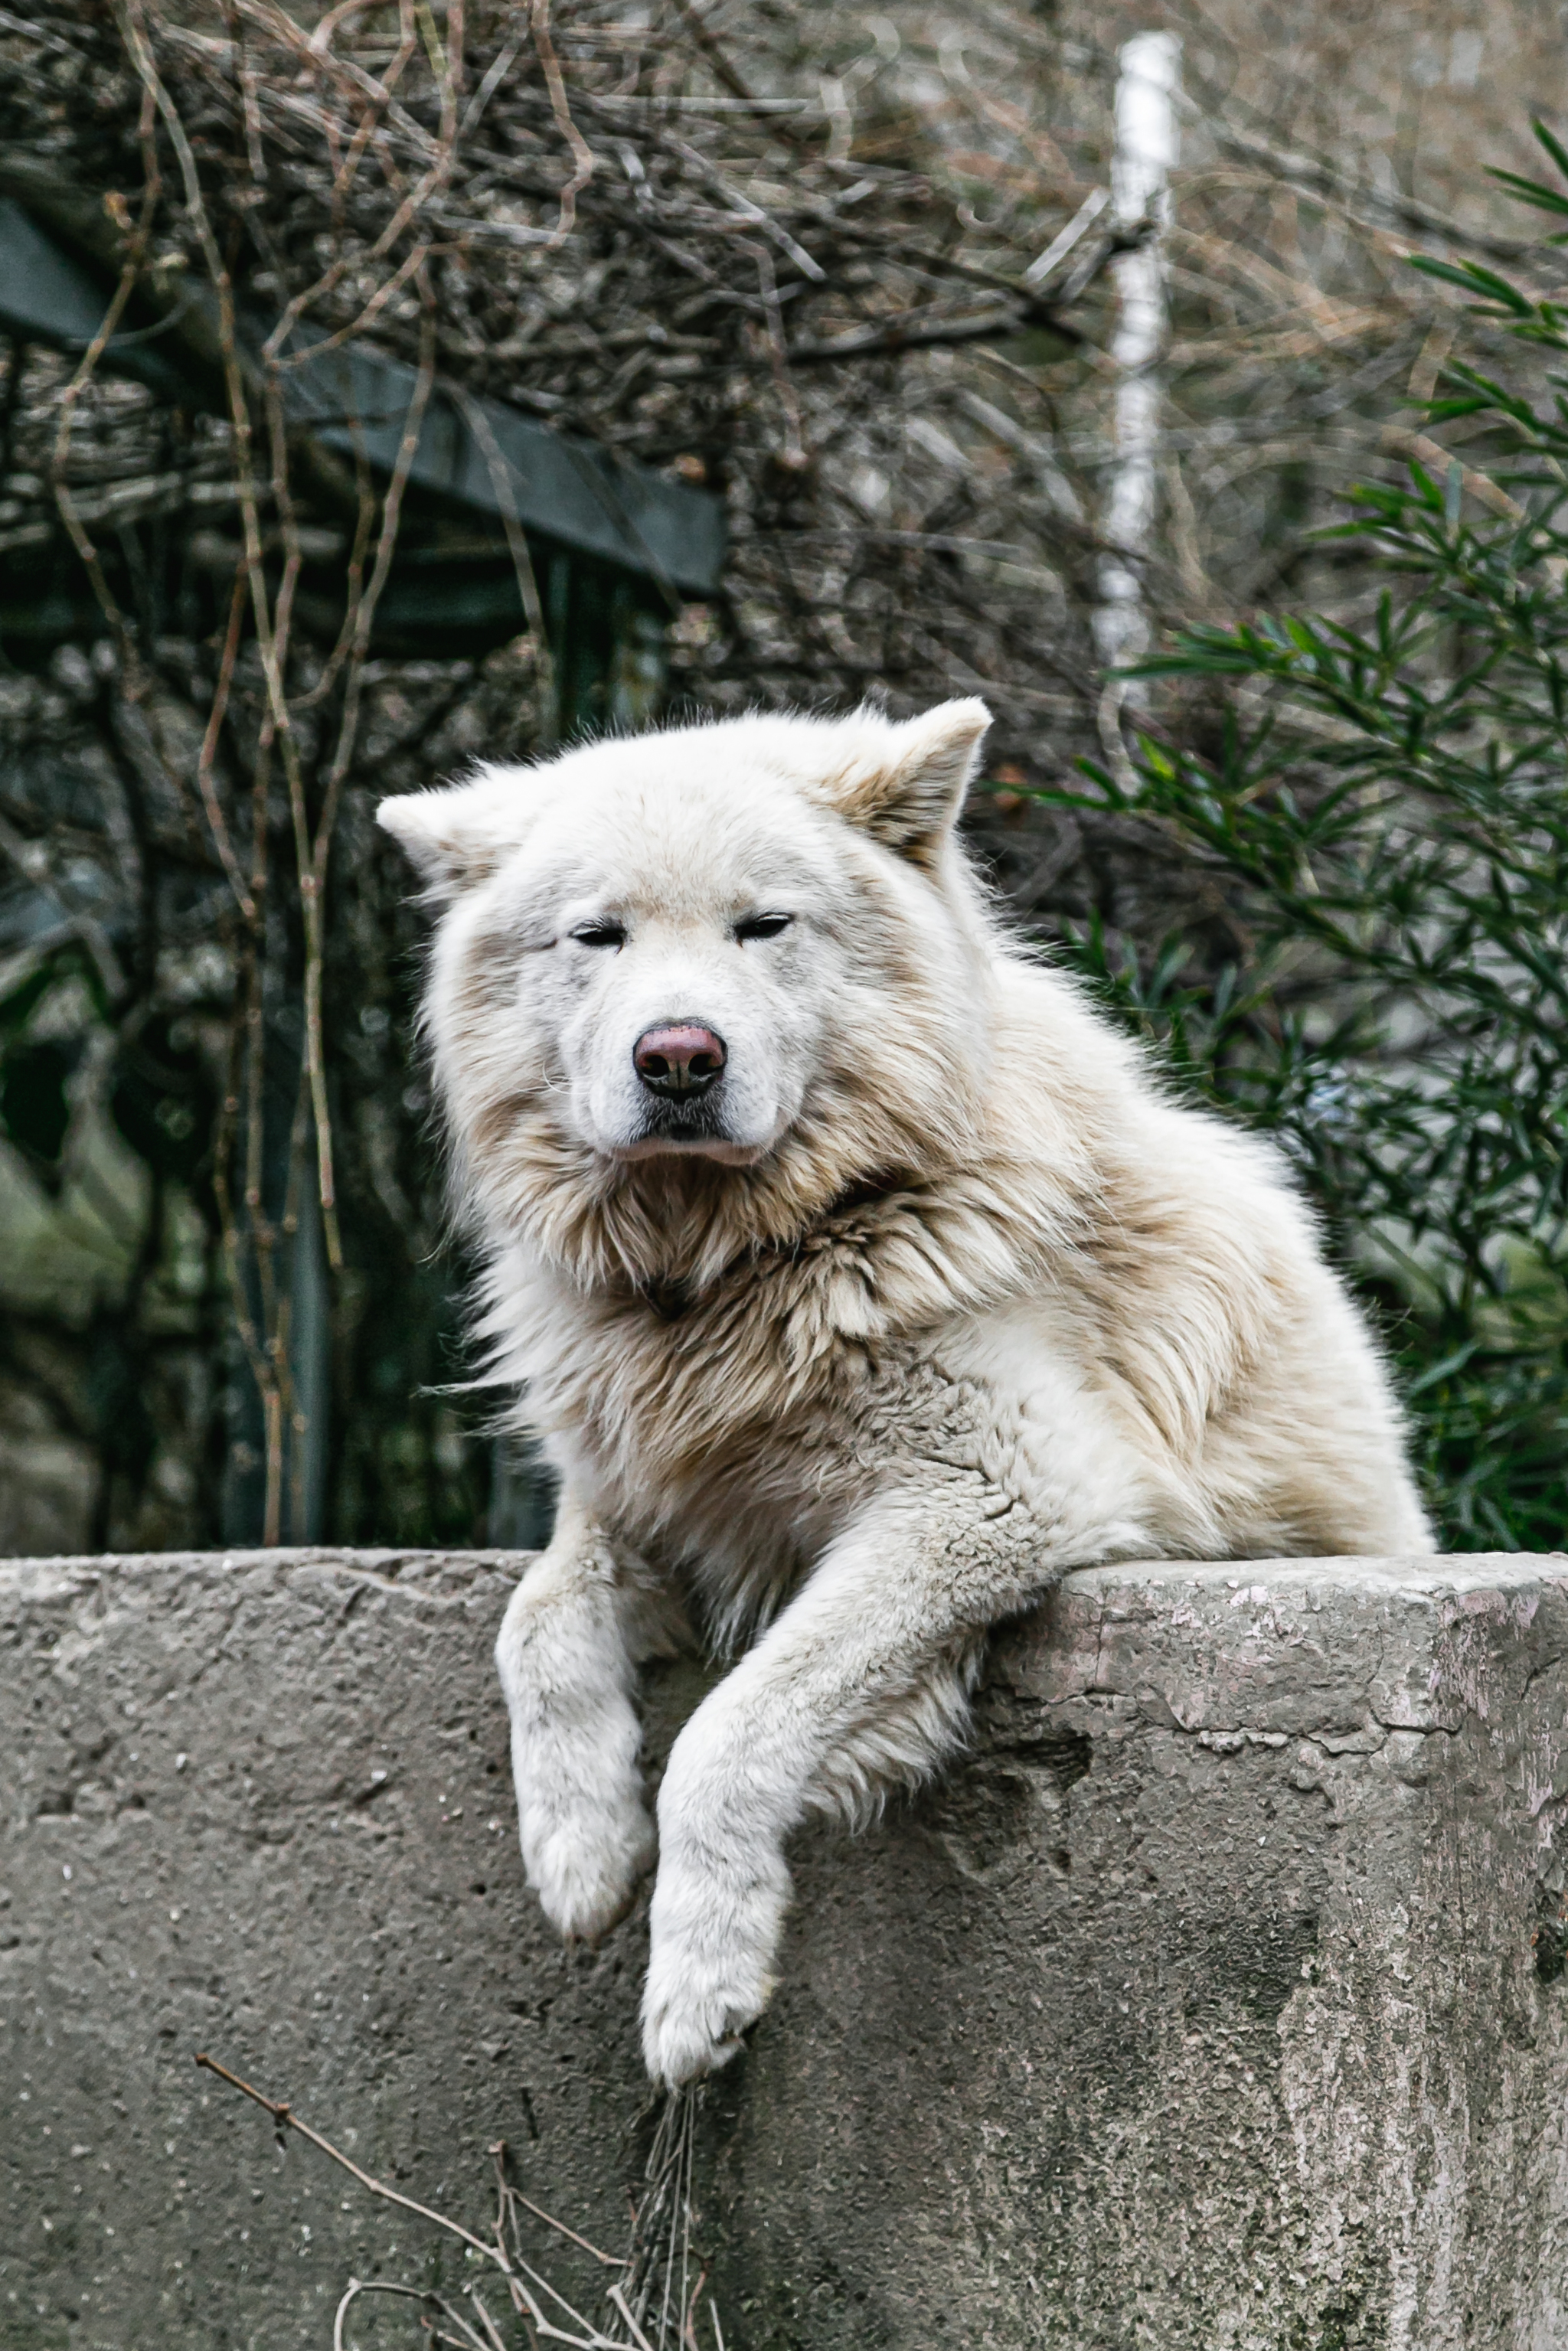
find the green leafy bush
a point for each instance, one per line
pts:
(1382, 809)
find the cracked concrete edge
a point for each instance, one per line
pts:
(1275, 1649)
(1105, 1593)
(1228, 1651)
(1231, 1653)
(404, 1571)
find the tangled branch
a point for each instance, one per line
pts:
(653, 2309)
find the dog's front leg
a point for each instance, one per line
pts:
(565, 1652)
(861, 1682)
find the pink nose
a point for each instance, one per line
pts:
(682, 1059)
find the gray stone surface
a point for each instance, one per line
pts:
(1215, 2004)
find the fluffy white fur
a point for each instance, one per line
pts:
(935, 1295)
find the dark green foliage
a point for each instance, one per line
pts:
(1382, 809)
(33, 1104)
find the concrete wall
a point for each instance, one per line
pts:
(1216, 2003)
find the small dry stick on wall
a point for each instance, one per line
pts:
(661, 2273)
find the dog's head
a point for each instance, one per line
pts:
(743, 947)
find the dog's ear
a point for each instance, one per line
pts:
(457, 836)
(907, 789)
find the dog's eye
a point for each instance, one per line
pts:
(762, 926)
(600, 934)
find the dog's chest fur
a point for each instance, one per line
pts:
(730, 1434)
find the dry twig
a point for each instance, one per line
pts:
(668, 2206)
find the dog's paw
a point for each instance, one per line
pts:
(710, 1973)
(585, 1862)
(693, 2020)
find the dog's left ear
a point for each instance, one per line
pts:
(908, 792)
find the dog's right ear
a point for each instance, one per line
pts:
(457, 836)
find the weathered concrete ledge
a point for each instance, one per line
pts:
(1217, 2004)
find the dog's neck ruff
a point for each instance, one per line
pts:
(670, 1298)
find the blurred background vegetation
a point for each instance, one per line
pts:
(1382, 812)
(852, 278)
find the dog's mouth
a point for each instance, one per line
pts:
(687, 1127)
(727, 1154)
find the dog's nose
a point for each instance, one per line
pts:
(681, 1059)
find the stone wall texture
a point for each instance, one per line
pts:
(1217, 2002)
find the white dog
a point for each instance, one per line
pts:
(858, 1279)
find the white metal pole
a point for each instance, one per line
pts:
(1146, 144)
